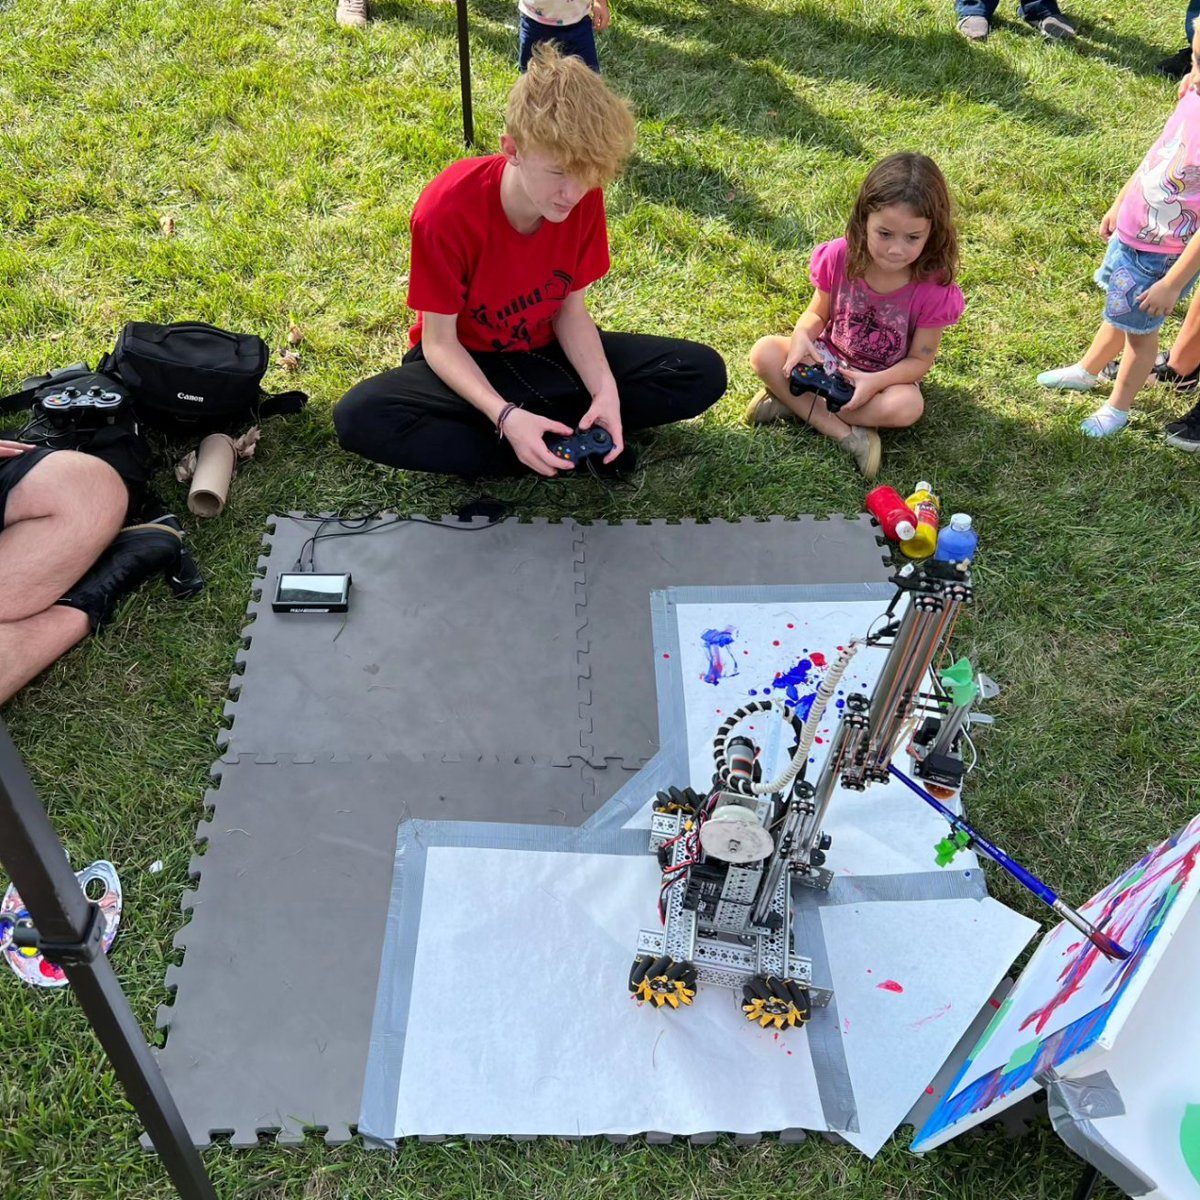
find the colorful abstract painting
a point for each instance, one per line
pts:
(1071, 1001)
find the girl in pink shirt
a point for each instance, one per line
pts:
(884, 294)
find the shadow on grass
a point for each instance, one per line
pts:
(820, 46)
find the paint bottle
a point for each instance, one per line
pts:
(896, 519)
(925, 504)
(957, 542)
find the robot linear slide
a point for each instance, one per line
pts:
(729, 858)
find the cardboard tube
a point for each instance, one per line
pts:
(214, 472)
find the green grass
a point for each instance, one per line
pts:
(288, 153)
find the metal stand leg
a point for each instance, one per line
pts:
(1087, 1184)
(69, 930)
(464, 72)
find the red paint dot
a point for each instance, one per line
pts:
(789, 1054)
(869, 971)
(775, 644)
(666, 656)
(745, 651)
(819, 741)
(994, 1003)
(818, 660)
(889, 985)
(790, 625)
(929, 1091)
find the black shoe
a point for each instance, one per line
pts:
(1177, 66)
(1173, 379)
(1186, 435)
(138, 553)
(186, 581)
(1187, 421)
(1109, 370)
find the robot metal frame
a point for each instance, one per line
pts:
(729, 858)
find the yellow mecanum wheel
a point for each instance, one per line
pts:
(676, 801)
(782, 1003)
(662, 981)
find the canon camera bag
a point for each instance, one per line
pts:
(192, 376)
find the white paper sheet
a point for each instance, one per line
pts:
(520, 1023)
(909, 979)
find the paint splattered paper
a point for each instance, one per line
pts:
(1072, 1003)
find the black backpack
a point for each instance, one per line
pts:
(191, 377)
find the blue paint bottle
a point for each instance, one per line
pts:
(957, 542)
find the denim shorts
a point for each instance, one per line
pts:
(1124, 275)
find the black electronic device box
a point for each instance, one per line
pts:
(310, 592)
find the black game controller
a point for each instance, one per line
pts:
(808, 378)
(583, 443)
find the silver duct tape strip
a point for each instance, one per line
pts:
(830, 1068)
(926, 885)
(385, 1054)
(1074, 1105)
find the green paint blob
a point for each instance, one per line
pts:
(1022, 1054)
(1189, 1139)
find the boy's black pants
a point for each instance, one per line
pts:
(409, 418)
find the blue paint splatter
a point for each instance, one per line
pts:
(718, 667)
(790, 683)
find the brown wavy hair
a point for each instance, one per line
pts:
(915, 181)
(563, 109)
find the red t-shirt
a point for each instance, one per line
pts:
(505, 286)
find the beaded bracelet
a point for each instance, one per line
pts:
(504, 413)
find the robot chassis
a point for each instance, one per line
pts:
(729, 859)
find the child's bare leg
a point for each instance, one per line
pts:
(1106, 345)
(1136, 364)
(896, 407)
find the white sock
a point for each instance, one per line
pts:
(1105, 421)
(1074, 378)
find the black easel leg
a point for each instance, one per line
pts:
(464, 72)
(68, 930)
(1087, 1184)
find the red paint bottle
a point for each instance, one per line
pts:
(896, 519)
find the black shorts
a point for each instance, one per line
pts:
(13, 470)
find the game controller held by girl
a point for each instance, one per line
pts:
(835, 388)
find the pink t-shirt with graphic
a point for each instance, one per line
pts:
(1161, 209)
(871, 332)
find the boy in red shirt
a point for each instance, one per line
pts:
(503, 351)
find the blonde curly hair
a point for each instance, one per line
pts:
(561, 108)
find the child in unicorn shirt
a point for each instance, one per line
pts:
(1151, 263)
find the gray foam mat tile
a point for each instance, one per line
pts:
(459, 639)
(623, 564)
(271, 1020)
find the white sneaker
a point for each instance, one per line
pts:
(1070, 379)
(353, 14)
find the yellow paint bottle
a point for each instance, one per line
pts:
(925, 504)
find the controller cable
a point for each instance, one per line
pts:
(494, 510)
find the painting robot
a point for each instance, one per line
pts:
(729, 859)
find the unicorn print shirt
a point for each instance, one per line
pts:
(870, 332)
(1161, 208)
